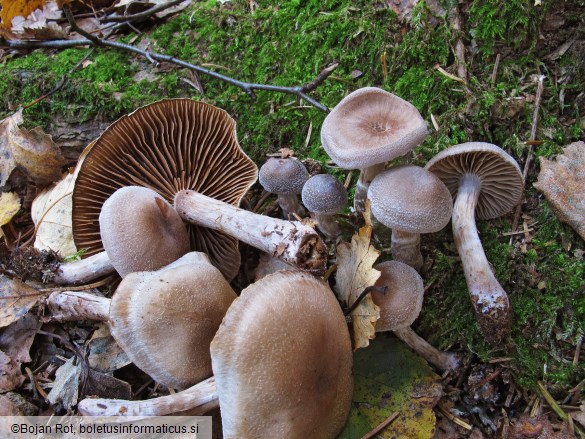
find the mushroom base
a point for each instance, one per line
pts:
(405, 248)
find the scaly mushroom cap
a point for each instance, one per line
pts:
(140, 231)
(165, 320)
(282, 361)
(283, 176)
(501, 178)
(167, 146)
(324, 194)
(410, 199)
(371, 126)
(401, 304)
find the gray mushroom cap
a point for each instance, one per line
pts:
(324, 194)
(283, 176)
(371, 126)
(500, 176)
(410, 199)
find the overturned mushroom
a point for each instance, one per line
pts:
(368, 128)
(486, 182)
(164, 320)
(167, 146)
(410, 200)
(282, 373)
(400, 307)
(325, 196)
(284, 177)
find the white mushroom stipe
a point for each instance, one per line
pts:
(77, 305)
(84, 270)
(291, 241)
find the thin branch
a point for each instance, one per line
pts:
(141, 15)
(249, 88)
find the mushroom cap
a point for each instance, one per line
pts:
(283, 176)
(501, 178)
(371, 126)
(282, 360)
(401, 304)
(141, 231)
(324, 194)
(167, 146)
(165, 320)
(410, 199)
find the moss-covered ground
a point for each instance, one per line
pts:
(289, 43)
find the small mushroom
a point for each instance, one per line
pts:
(141, 231)
(282, 361)
(486, 182)
(164, 320)
(410, 200)
(325, 196)
(368, 128)
(284, 177)
(400, 307)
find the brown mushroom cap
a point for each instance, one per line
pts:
(283, 176)
(500, 176)
(324, 194)
(165, 320)
(140, 231)
(167, 146)
(282, 360)
(401, 304)
(410, 199)
(371, 126)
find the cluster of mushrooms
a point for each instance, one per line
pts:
(156, 199)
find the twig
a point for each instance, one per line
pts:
(249, 88)
(363, 295)
(140, 16)
(454, 418)
(530, 155)
(382, 426)
(495, 70)
(555, 406)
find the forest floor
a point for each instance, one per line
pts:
(473, 71)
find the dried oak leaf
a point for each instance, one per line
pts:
(15, 343)
(562, 182)
(355, 273)
(16, 298)
(32, 150)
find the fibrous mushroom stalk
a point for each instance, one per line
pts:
(328, 226)
(442, 360)
(85, 270)
(77, 305)
(289, 204)
(202, 395)
(405, 248)
(490, 301)
(291, 241)
(363, 183)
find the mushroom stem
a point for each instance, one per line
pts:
(441, 360)
(363, 183)
(490, 301)
(328, 225)
(84, 270)
(291, 241)
(405, 248)
(199, 395)
(77, 305)
(289, 204)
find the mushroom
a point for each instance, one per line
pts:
(141, 231)
(166, 146)
(399, 308)
(410, 200)
(325, 196)
(291, 241)
(282, 361)
(164, 320)
(486, 182)
(284, 177)
(368, 128)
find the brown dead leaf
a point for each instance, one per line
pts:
(15, 343)
(105, 355)
(355, 273)
(562, 183)
(16, 298)
(33, 150)
(10, 375)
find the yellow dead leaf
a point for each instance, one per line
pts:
(34, 151)
(355, 273)
(18, 8)
(9, 206)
